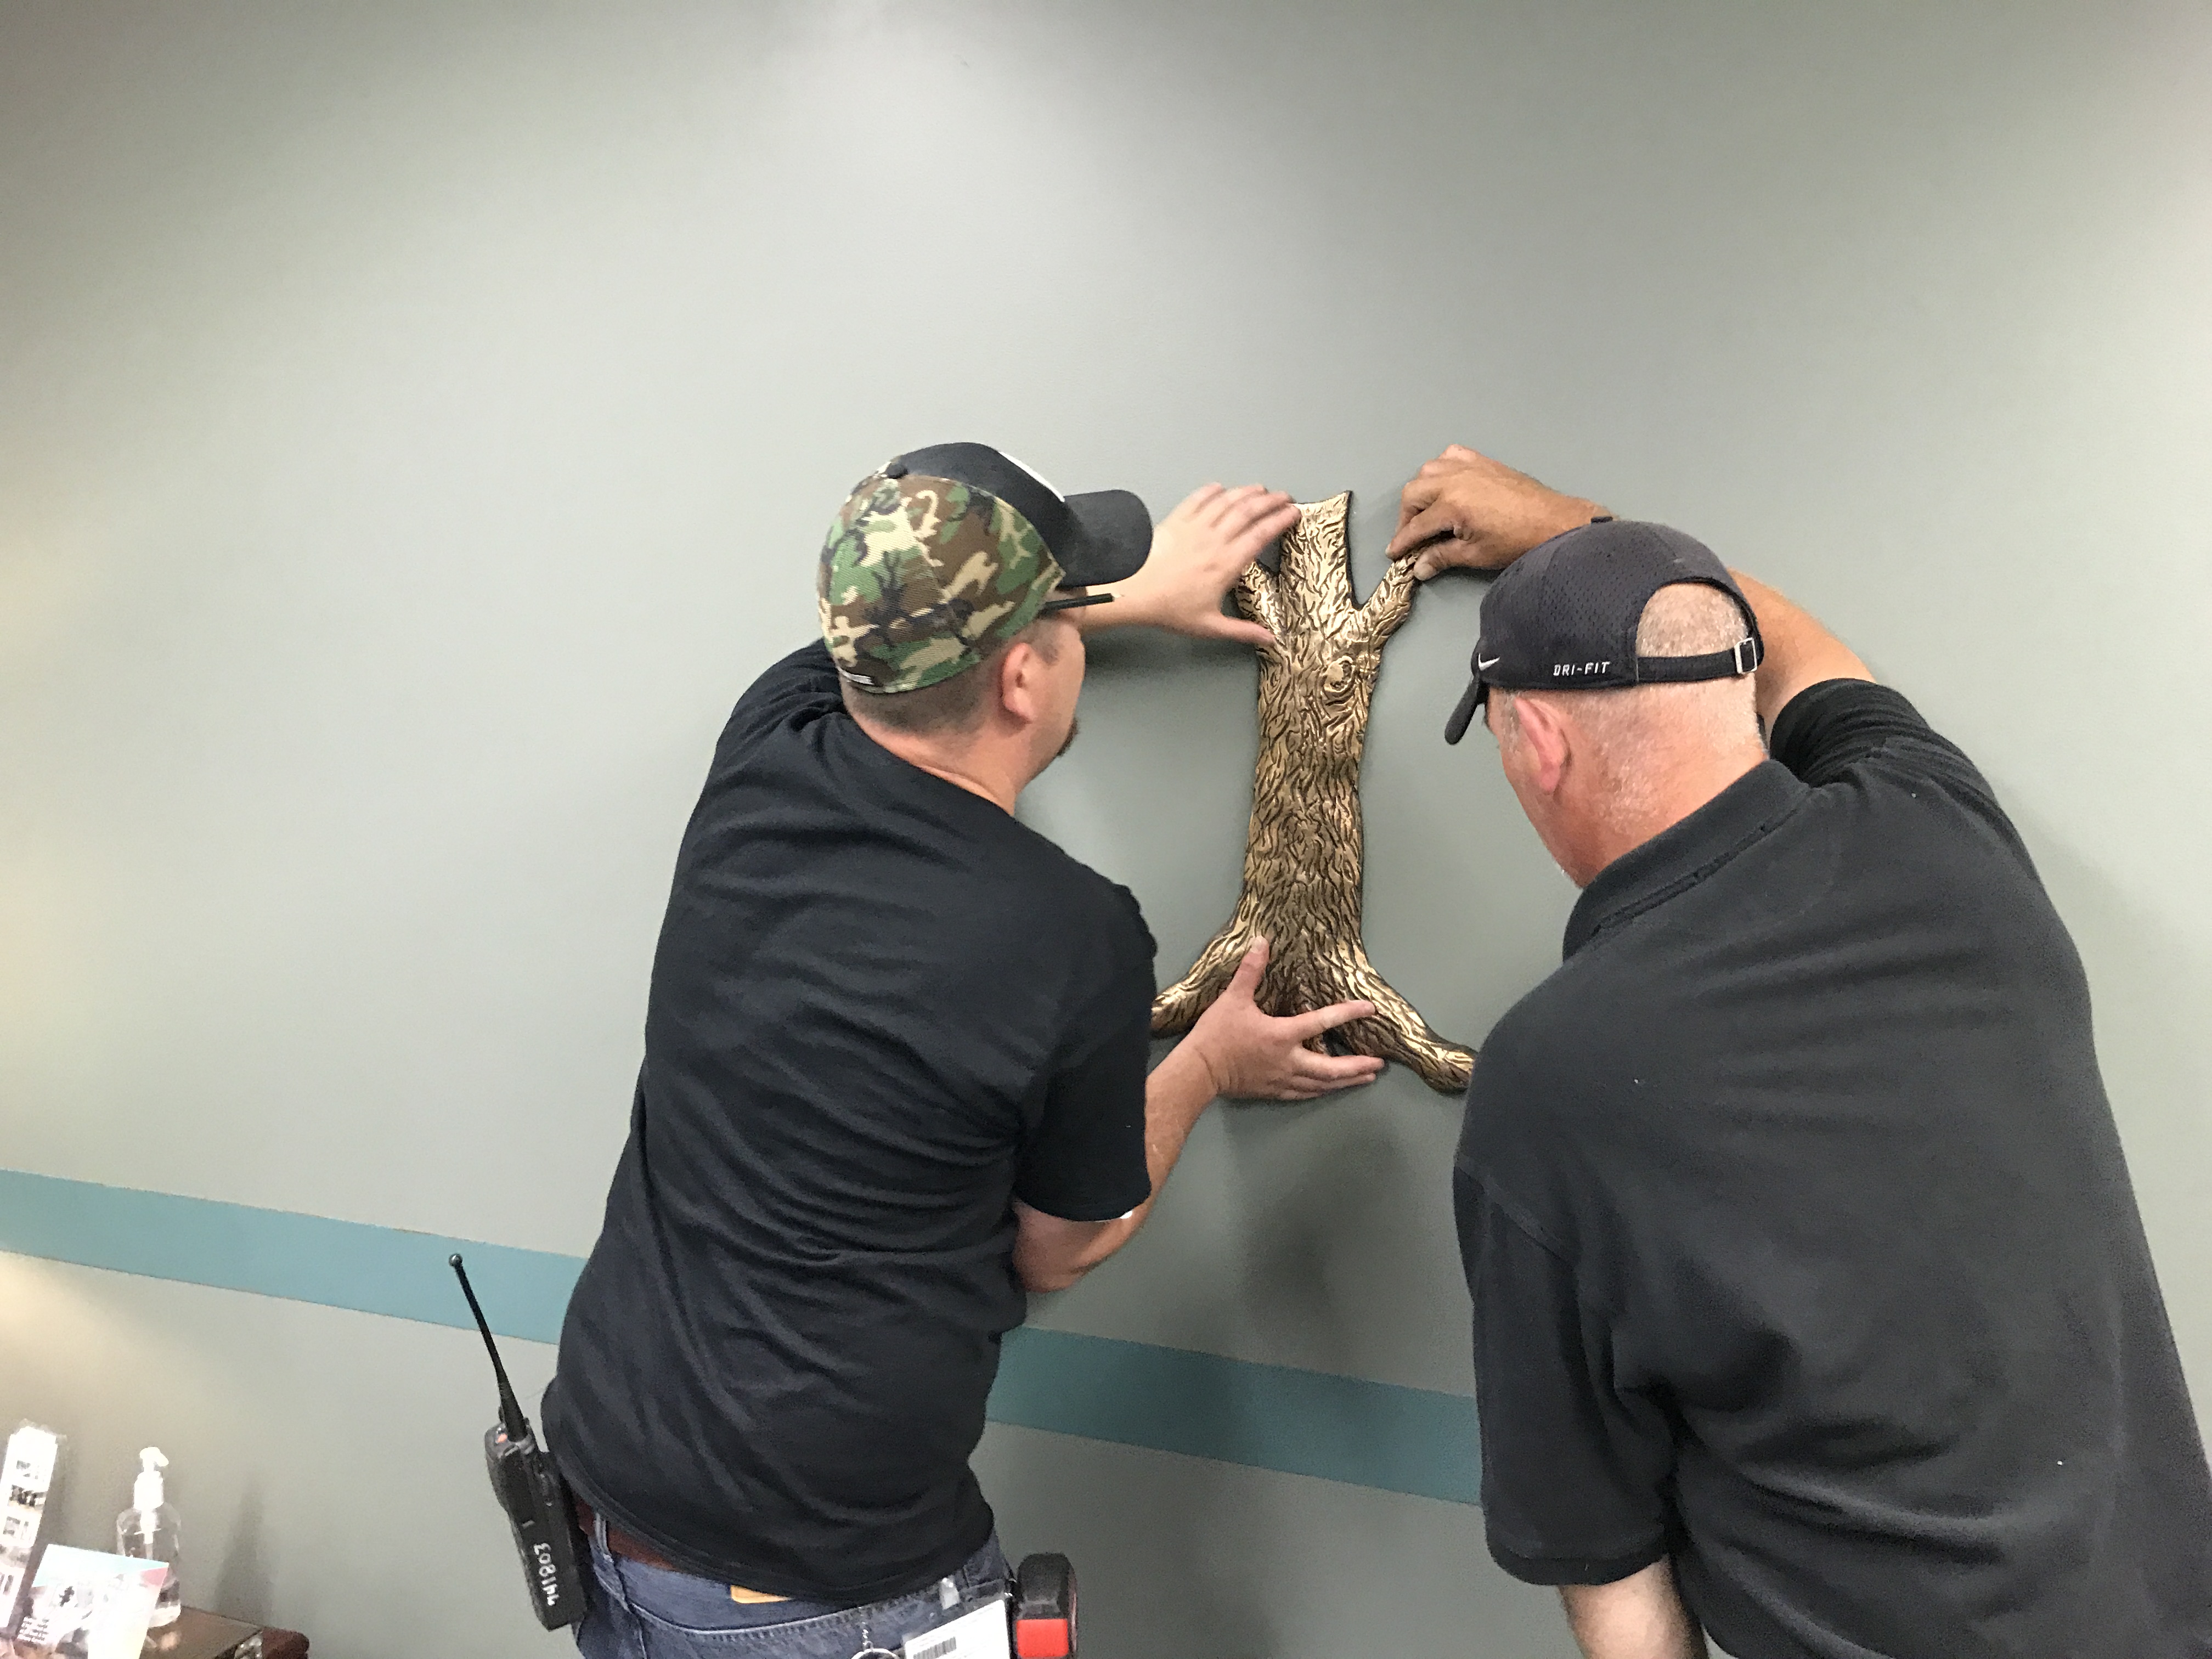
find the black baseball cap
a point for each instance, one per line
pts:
(1102, 537)
(1563, 617)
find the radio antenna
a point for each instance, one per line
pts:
(515, 1425)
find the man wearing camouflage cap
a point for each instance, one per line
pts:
(922, 577)
(894, 1075)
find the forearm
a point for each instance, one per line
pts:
(1176, 1093)
(1800, 651)
(1050, 1255)
(1639, 1617)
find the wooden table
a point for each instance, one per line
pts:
(198, 1635)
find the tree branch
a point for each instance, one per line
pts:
(1390, 604)
(1256, 599)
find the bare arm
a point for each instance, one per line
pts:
(1800, 651)
(1235, 1049)
(1639, 1617)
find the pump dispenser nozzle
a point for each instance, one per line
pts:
(146, 1491)
(149, 1531)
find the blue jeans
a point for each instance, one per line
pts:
(648, 1612)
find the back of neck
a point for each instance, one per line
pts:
(1679, 790)
(970, 763)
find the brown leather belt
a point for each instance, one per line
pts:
(622, 1544)
(636, 1549)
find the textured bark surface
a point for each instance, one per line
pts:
(1303, 854)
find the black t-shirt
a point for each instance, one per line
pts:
(881, 1009)
(1801, 1246)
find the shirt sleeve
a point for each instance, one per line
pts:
(1084, 1159)
(803, 686)
(1831, 728)
(1575, 1472)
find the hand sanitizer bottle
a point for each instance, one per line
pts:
(148, 1529)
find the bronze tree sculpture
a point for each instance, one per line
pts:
(1303, 854)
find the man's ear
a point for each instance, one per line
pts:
(1019, 673)
(1545, 734)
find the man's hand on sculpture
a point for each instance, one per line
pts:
(1464, 510)
(1252, 1055)
(1198, 550)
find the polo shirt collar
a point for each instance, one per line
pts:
(1684, 855)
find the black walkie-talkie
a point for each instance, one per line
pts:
(530, 1490)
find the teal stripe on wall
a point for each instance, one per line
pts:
(1266, 1417)
(303, 1257)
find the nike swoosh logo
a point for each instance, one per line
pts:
(1486, 662)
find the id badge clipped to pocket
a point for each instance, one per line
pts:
(980, 1632)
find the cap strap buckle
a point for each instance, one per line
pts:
(1748, 652)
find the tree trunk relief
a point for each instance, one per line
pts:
(1303, 855)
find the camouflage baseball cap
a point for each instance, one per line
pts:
(945, 553)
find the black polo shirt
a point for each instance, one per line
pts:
(882, 1009)
(1800, 1243)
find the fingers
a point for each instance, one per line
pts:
(1244, 633)
(1278, 1065)
(1420, 496)
(1267, 524)
(1426, 526)
(1244, 983)
(1237, 517)
(1315, 1075)
(1335, 1071)
(1241, 513)
(1416, 495)
(1232, 511)
(1192, 505)
(1305, 1027)
(1455, 457)
(1227, 502)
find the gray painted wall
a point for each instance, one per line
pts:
(416, 425)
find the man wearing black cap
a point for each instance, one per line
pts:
(894, 1075)
(1811, 1304)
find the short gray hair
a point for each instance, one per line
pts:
(1689, 619)
(1682, 619)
